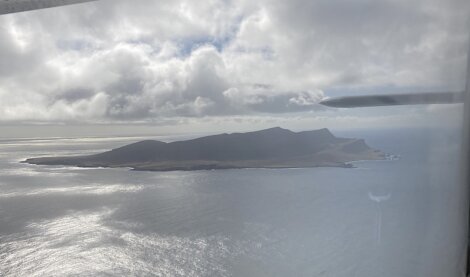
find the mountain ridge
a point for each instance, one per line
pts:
(268, 148)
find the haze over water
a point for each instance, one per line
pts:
(384, 218)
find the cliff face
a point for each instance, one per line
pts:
(272, 148)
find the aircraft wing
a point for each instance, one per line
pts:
(14, 6)
(395, 99)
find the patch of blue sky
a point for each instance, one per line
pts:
(152, 45)
(188, 45)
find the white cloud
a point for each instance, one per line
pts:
(148, 61)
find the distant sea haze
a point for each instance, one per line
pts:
(398, 217)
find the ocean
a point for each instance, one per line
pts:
(400, 217)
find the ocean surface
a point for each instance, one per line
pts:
(402, 217)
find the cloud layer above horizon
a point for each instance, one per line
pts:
(145, 60)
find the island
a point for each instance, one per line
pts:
(269, 148)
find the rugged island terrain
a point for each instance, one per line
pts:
(269, 148)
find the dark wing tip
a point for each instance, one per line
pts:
(15, 6)
(394, 99)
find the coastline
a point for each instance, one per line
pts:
(198, 167)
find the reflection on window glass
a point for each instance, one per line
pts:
(233, 138)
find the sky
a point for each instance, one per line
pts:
(175, 66)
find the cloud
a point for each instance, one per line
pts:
(146, 60)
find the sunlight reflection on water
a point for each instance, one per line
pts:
(62, 221)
